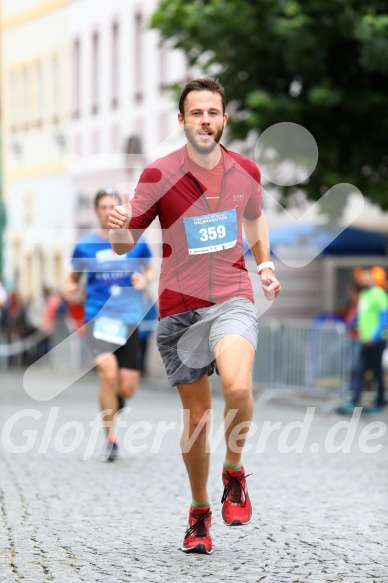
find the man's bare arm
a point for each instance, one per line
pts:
(70, 288)
(256, 232)
(140, 280)
(121, 241)
(120, 236)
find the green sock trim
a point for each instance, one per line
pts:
(195, 504)
(229, 466)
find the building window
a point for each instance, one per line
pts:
(32, 96)
(162, 68)
(83, 202)
(95, 72)
(138, 57)
(12, 104)
(26, 97)
(56, 88)
(19, 102)
(39, 88)
(76, 77)
(115, 67)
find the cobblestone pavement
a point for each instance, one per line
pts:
(67, 517)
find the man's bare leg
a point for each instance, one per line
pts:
(196, 402)
(127, 382)
(107, 369)
(235, 356)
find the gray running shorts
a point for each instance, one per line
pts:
(186, 340)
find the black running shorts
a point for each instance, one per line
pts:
(128, 355)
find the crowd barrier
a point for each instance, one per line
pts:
(294, 357)
(303, 357)
(21, 352)
(71, 351)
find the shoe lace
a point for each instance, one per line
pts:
(199, 527)
(236, 489)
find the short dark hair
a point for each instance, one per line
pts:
(109, 191)
(202, 84)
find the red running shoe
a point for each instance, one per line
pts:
(237, 508)
(197, 537)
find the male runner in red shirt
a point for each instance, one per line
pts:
(204, 195)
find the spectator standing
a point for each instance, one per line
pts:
(372, 319)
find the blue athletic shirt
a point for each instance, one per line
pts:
(109, 291)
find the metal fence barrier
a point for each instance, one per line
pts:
(294, 357)
(303, 357)
(70, 353)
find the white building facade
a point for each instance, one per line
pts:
(85, 105)
(120, 101)
(83, 83)
(35, 99)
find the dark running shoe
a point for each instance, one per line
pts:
(346, 408)
(120, 403)
(197, 537)
(237, 507)
(110, 452)
(374, 409)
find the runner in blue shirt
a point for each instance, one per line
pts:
(113, 310)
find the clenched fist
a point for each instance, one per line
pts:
(120, 215)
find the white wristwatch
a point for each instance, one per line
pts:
(268, 264)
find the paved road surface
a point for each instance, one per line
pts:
(67, 517)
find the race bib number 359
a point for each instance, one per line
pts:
(212, 232)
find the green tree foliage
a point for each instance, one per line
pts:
(323, 65)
